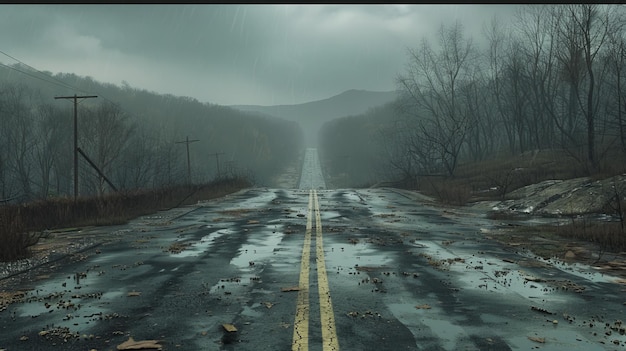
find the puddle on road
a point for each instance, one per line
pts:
(340, 256)
(485, 273)
(348, 264)
(352, 197)
(233, 286)
(330, 216)
(262, 198)
(577, 269)
(249, 311)
(556, 339)
(444, 330)
(261, 245)
(200, 247)
(426, 323)
(68, 304)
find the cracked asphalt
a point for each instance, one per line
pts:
(403, 273)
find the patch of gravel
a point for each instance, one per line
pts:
(45, 253)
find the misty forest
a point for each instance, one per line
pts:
(551, 80)
(137, 139)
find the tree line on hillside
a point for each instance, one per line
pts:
(350, 148)
(553, 78)
(134, 137)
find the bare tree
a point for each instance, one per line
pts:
(536, 74)
(616, 59)
(50, 136)
(105, 134)
(496, 35)
(399, 151)
(431, 89)
(18, 134)
(586, 31)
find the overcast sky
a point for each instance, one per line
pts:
(232, 54)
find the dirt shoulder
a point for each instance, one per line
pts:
(542, 240)
(533, 216)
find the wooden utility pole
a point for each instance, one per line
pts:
(97, 169)
(75, 97)
(217, 161)
(188, 162)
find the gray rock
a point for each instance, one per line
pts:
(564, 197)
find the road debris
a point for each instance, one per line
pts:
(368, 313)
(9, 297)
(541, 310)
(230, 333)
(131, 344)
(177, 247)
(367, 269)
(229, 327)
(537, 339)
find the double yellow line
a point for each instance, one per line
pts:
(327, 316)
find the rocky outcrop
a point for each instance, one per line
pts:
(565, 197)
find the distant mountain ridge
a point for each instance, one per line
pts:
(312, 115)
(350, 102)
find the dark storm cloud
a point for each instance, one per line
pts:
(231, 54)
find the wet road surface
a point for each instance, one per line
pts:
(302, 269)
(311, 176)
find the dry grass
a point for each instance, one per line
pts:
(494, 178)
(21, 225)
(14, 239)
(610, 236)
(447, 191)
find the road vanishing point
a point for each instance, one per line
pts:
(310, 268)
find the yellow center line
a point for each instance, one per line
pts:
(327, 316)
(301, 323)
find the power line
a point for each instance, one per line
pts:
(36, 77)
(43, 73)
(60, 82)
(188, 162)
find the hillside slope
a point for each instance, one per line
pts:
(312, 115)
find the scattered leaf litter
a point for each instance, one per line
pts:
(229, 327)
(131, 344)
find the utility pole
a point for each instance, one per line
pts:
(75, 97)
(188, 162)
(217, 161)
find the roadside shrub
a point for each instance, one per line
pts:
(21, 225)
(609, 236)
(14, 240)
(448, 192)
(457, 195)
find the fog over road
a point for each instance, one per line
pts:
(311, 176)
(383, 269)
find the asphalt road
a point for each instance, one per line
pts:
(311, 269)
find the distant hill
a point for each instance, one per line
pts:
(312, 115)
(154, 155)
